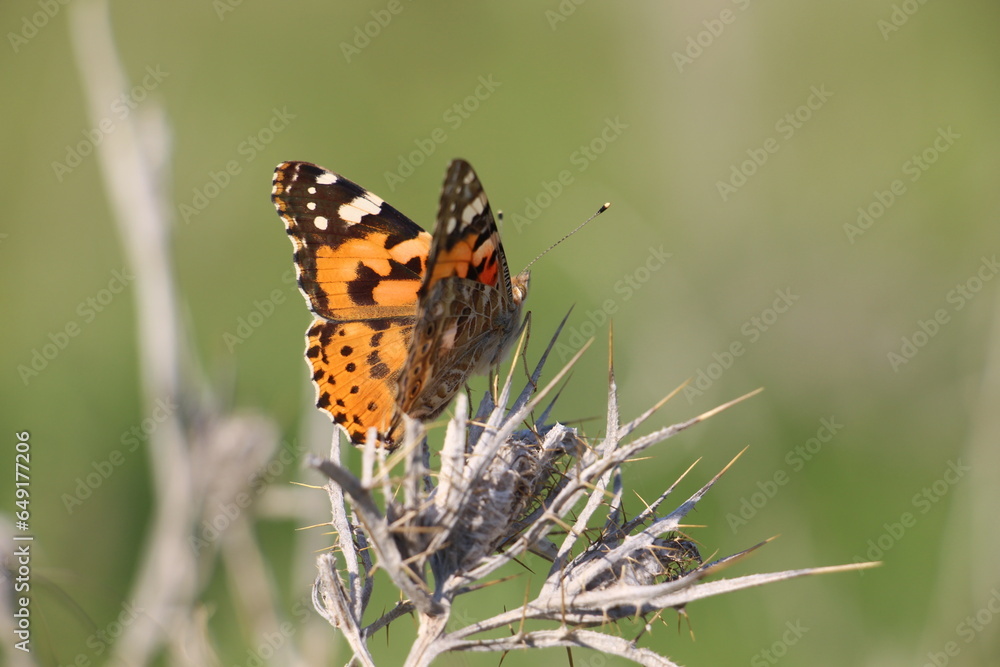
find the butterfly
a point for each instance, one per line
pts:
(403, 318)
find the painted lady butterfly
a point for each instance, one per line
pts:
(402, 318)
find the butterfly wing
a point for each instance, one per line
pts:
(468, 309)
(355, 368)
(356, 256)
(466, 241)
(360, 264)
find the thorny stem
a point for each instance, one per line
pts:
(496, 486)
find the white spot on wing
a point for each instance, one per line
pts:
(320, 222)
(311, 205)
(479, 203)
(473, 208)
(369, 204)
(326, 178)
(448, 337)
(358, 208)
(311, 190)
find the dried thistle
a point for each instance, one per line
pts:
(502, 491)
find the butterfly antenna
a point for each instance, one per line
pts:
(604, 208)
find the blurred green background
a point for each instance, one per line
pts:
(739, 137)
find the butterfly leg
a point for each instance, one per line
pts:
(524, 350)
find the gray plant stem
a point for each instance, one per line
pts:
(498, 486)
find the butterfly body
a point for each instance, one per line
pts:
(403, 318)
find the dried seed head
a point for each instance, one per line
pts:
(500, 493)
(663, 560)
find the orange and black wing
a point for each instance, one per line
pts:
(466, 310)
(360, 264)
